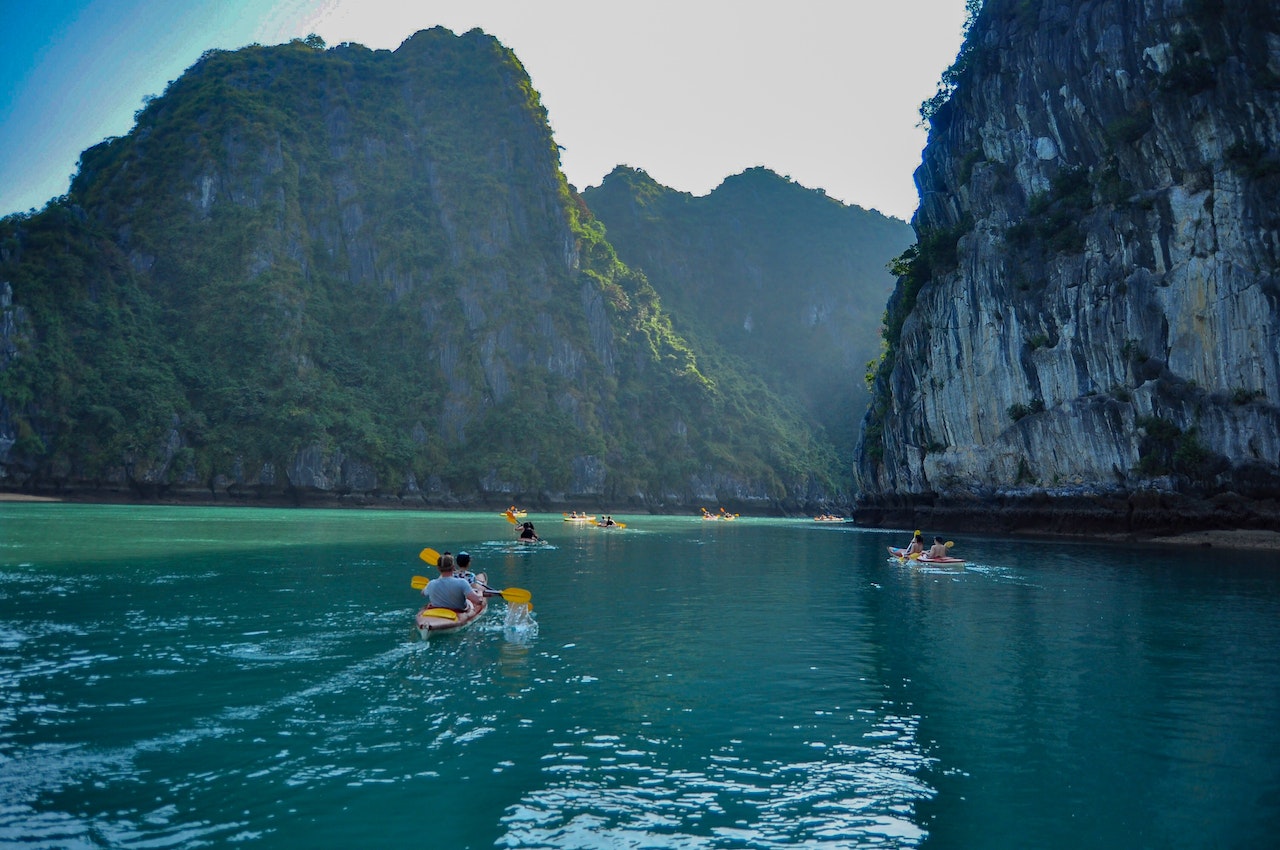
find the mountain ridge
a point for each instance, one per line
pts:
(775, 275)
(313, 274)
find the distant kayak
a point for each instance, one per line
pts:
(829, 518)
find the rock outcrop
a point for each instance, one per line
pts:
(317, 274)
(1087, 335)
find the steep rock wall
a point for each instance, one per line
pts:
(1094, 338)
(331, 273)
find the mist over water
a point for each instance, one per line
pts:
(181, 677)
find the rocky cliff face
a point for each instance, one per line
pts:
(316, 273)
(1088, 332)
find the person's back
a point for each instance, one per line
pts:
(450, 591)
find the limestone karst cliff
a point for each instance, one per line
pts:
(318, 273)
(779, 277)
(1087, 334)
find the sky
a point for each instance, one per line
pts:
(825, 92)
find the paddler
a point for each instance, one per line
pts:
(938, 549)
(463, 562)
(450, 590)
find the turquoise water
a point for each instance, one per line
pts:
(186, 677)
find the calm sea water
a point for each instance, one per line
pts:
(187, 677)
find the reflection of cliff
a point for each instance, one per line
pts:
(1092, 311)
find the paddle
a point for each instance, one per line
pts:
(442, 613)
(514, 595)
(511, 518)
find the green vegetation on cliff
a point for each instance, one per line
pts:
(771, 279)
(356, 271)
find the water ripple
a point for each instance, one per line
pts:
(608, 791)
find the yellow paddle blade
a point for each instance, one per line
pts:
(442, 613)
(419, 582)
(431, 556)
(950, 543)
(511, 518)
(517, 595)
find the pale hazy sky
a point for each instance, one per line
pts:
(823, 91)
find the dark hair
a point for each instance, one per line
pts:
(463, 559)
(935, 540)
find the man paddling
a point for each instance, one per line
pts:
(451, 591)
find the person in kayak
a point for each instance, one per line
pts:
(916, 547)
(451, 590)
(463, 567)
(527, 532)
(938, 549)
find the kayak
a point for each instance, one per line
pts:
(828, 519)
(901, 554)
(568, 518)
(515, 514)
(430, 620)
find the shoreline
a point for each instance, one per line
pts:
(1239, 539)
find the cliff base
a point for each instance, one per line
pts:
(1227, 519)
